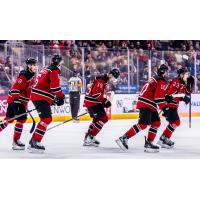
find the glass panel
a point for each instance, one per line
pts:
(90, 62)
(100, 61)
(139, 72)
(72, 61)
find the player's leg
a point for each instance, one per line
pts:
(76, 106)
(99, 119)
(155, 124)
(174, 122)
(44, 111)
(17, 144)
(144, 120)
(71, 101)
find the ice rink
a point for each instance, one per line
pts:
(66, 142)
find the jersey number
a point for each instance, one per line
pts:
(144, 89)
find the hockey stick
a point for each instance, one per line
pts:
(190, 113)
(65, 122)
(33, 124)
(17, 116)
(111, 98)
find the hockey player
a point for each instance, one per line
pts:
(18, 99)
(46, 92)
(75, 85)
(96, 103)
(151, 96)
(182, 84)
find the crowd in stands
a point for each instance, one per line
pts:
(101, 55)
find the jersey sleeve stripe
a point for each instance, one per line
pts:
(58, 89)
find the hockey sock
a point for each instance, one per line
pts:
(41, 128)
(97, 125)
(171, 128)
(153, 130)
(134, 130)
(18, 129)
(152, 133)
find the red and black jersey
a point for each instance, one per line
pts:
(21, 89)
(47, 85)
(96, 92)
(177, 86)
(152, 94)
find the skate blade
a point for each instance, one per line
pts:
(90, 145)
(18, 148)
(35, 151)
(121, 145)
(147, 150)
(164, 146)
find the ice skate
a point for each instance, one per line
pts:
(122, 142)
(90, 140)
(150, 147)
(18, 145)
(165, 142)
(35, 147)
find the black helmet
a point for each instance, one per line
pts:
(31, 61)
(56, 59)
(182, 70)
(115, 72)
(162, 69)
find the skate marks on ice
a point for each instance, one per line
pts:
(67, 142)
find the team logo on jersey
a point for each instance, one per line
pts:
(19, 81)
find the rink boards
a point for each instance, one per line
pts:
(123, 107)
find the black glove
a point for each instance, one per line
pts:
(107, 103)
(16, 106)
(168, 98)
(190, 81)
(59, 101)
(166, 113)
(186, 99)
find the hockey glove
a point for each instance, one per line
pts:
(59, 101)
(16, 106)
(186, 99)
(166, 113)
(107, 103)
(168, 98)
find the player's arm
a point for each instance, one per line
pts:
(18, 86)
(99, 90)
(55, 87)
(172, 89)
(159, 96)
(55, 83)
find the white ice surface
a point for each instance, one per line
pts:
(66, 142)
